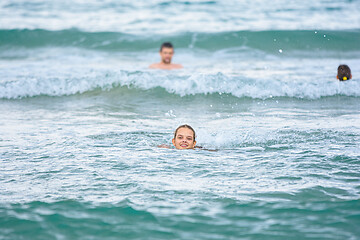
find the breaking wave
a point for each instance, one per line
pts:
(181, 84)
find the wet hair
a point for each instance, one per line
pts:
(344, 72)
(185, 126)
(166, 45)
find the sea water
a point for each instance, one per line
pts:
(82, 116)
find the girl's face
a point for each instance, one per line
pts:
(184, 139)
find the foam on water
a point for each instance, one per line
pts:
(83, 116)
(182, 84)
(179, 16)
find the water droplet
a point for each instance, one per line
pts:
(280, 51)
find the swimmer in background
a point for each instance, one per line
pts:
(344, 73)
(166, 53)
(184, 138)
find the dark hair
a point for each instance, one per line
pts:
(185, 126)
(166, 45)
(344, 72)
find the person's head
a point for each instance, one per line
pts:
(344, 73)
(166, 52)
(184, 137)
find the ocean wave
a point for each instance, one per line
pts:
(164, 16)
(84, 220)
(269, 41)
(182, 84)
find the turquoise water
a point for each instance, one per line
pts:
(82, 116)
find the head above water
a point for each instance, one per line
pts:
(344, 73)
(166, 45)
(166, 52)
(184, 137)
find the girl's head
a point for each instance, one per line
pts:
(184, 137)
(344, 73)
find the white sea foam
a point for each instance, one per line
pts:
(176, 16)
(182, 84)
